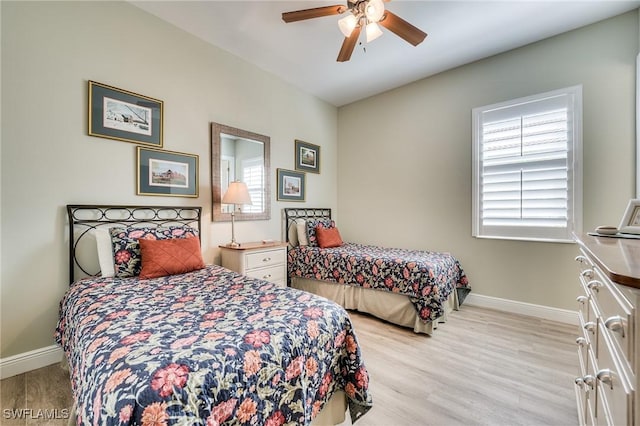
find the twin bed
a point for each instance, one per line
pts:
(410, 288)
(205, 346)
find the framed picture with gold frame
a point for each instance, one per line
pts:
(124, 116)
(166, 173)
(630, 223)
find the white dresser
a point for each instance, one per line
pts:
(607, 383)
(267, 261)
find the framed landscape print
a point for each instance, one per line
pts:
(125, 116)
(307, 157)
(291, 185)
(166, 173)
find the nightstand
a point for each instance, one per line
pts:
(266, 261)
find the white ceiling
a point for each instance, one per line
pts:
(304, 53)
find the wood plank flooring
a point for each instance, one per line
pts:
(482, 367)
(38, 397)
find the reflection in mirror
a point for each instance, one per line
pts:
(239, 155)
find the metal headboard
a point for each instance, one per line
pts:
(291, 214)
(83, 218)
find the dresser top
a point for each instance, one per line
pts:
(256, 245)
(619, 258)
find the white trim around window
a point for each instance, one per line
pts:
(527, 173)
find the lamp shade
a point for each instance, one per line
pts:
(347, 24)
(373, 31)
(374, 10)
(237, 193)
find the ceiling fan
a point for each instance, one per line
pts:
(362, 13)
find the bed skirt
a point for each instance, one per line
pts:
(391, 307)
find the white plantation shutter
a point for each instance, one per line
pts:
(527, 180)
(253, 176)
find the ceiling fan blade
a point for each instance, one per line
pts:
(348, 45)
(402, 28)
(316, 12)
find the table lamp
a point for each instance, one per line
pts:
(237, 193)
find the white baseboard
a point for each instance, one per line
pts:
(27, 361)
(515, 307)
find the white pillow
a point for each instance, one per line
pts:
(301, 226)
(293, 234)
(105, 252)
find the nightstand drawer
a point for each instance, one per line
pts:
(265, 258)
(266, 261)
(272, 274)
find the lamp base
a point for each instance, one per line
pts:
(233, 244)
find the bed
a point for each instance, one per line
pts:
(206, 346)
(410, 288)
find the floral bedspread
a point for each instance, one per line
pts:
(428, 278)
(208, 347)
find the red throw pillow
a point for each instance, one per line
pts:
(169, 257)
(328, 237)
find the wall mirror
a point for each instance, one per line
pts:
(244, 156)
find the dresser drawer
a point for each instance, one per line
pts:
(589, 328)
(584, 301)
(260, 259)
(615, 394)
(616, 315)
(272, 274)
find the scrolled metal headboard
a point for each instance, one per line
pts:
(83, 218)
(291, 214)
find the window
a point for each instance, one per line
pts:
(253, 176)
(527, 178)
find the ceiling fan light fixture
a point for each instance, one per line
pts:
(347, 24)
(374, 10)
(373, 31)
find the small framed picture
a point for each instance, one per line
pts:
(630, 223)
(125, 116)
(307, 157)
(291, 185)
(167, 173)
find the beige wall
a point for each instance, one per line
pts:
(404, 157)
(49, 51)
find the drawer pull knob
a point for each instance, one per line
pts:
(582, 299)
(615, 324)
(266, 259)
(587, 273)
(590, 327)
(606, 377)
(594, 285)
(580, 382)
(581, 341)
(267, 276)
(581, 259)
(589, 380)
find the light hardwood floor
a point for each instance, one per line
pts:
(482, 367)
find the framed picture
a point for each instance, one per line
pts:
(291, 185)
(125, 116)
(167, 173)
(307, 157)
(630, 223)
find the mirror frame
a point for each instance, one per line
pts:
(216, 205)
